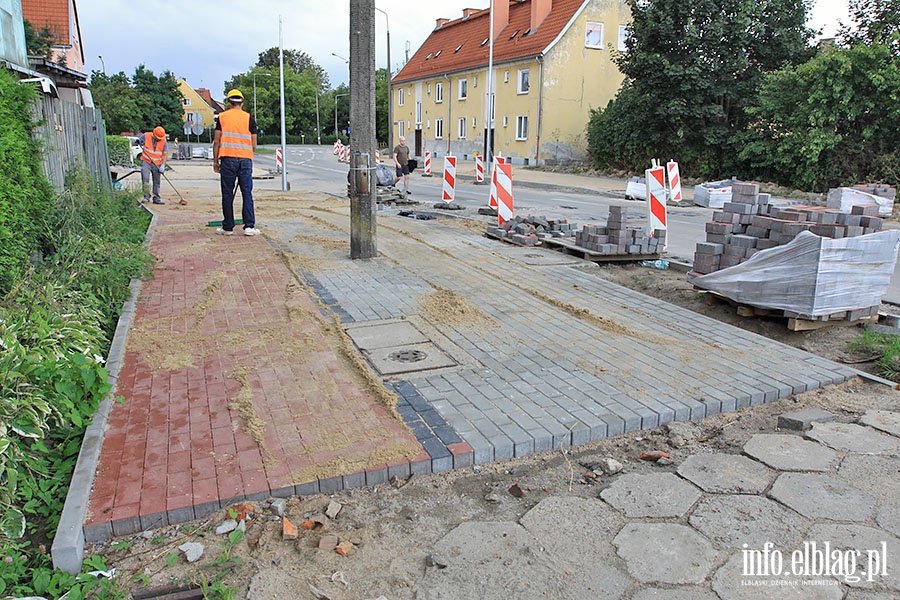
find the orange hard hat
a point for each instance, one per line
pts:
(159, 133)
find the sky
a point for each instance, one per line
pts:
(206, 42)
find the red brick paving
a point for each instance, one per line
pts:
(173, 449)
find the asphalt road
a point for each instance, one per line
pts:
(557, 196)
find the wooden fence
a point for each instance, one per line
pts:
(70, 136)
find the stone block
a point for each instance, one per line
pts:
(802, 420)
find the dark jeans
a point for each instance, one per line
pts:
(241, 170)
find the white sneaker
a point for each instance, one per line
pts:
(252, 231)
(221, 231)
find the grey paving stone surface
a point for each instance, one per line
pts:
(884, 420)
(820, 496)
(665, 553)
(853, 438)
(789, 452)
(733, 520)
(888, 518)
(655, 593)
(550, 331)
(651, 495)
(802, 420)
(875, 552)
(726, 473)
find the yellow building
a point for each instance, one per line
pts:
(552, 64)
(198, 102)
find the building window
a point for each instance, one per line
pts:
(623, 36)
(463, 89)
(593, 35)
(522, 127)
(419, 113)
(473, 123)
(522, 86)
(438, 129)
(400, 96)
(505, 121)
(439, 92)
(187, 101)
(401, 127)
(461, 133)
(429, 89)
(505, 76)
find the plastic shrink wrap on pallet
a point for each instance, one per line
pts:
(811, 275)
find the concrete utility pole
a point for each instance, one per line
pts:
(362, 129)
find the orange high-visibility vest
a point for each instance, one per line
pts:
(152, 153)
(236, 140)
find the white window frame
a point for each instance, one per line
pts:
(187, 102)
(463, 89)
(593, 35)
(439, 92)
(474, 123)
(439, 129)
(475, 81)
(505, 121)
(419, 113)
(505, 76)
(401, 127)
(461, 128)
(401, 96)
(521, 127)
(623, 36)
(523, 81)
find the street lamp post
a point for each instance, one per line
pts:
(336, 96)
(390, 100)
(254, 91)
(102, 63)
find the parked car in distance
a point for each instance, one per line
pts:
(135, 148)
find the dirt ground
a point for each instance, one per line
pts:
(393, 528)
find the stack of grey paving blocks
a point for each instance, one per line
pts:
(527, 231)
(617, 238)
(749, 224)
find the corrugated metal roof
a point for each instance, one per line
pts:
(462, 44)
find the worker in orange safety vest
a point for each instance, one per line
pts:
(154, 154)
(233, 146)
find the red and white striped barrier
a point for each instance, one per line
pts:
(279, 160)
(342, 153)
(656, 199)
(479, 169)
(337, 146)
(427, 169)
(499, 160)
(502, 183)
(449, 178)
(377, 157)
(674, 181)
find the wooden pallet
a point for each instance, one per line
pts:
(563, 245)
(793, 323)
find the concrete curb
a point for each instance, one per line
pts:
(67, 550)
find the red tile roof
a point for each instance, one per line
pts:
(457, 45)
(50, 13)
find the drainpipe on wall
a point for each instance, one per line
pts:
(449, 112)
(540, 107)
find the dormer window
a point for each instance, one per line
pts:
(486, 40)
(438, 53)
(429, 55)
(515, 33)
(458, 48)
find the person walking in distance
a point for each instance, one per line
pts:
(401, 159)
(154, 154)
(233, 146)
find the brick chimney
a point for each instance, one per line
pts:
(539, 11)
(500, 16)
(440, 22)
(468, 12)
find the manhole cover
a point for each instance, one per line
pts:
(408, 356)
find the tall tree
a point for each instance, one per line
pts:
(690, 68)
(160, 99)
(37, 43)
(877, 22)
(118, 102)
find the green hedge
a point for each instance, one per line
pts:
(119, 149)
(25, 194)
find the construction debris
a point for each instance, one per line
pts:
(844, 199)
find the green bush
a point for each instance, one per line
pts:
(119, 149)
(25, 194)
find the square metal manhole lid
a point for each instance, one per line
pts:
(397, 347)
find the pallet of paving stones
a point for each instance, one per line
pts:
(617, 240)
(568, 247)
(797, 321)
(530, 231)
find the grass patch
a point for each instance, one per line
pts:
(886, 347)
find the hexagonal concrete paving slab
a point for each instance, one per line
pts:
(733, 520)
(853, 438)
(665, 553)
(788, 452)
(651, 495)
(883, 420)
(819, 496)
(878, 475)
(670, 594)
(576, 533)
(726, 473)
